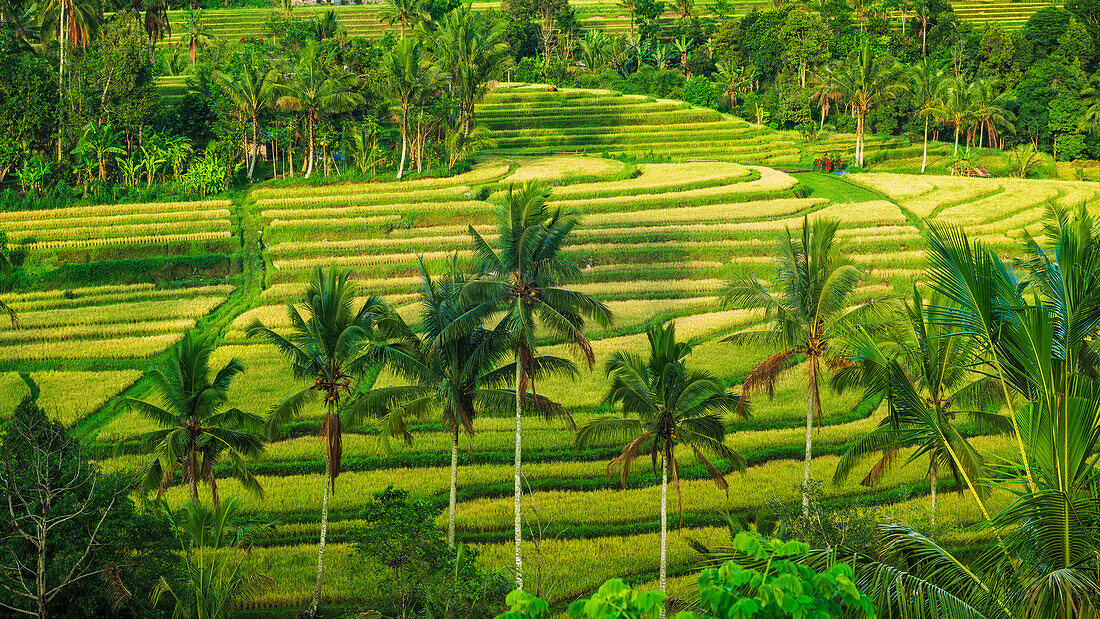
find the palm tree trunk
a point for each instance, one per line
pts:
(924, 159)
(214, 492)
(404, 141)
(518, 487)
(934, 477)
(255, 149)
(811, 406)
(61, 80)
(664, 523)
(454, 489)
(309, 167)
(321, 546)
(956, 140)
(821, 126)
(192, 476)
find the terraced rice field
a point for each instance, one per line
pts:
(121, 284)
(606, 15)
(527, 120)
(658, 241)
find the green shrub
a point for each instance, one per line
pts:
(699, 91)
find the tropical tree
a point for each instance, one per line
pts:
(405, 13)
(72, 23)
(250, 92)
(99, 143)
(1045, 557)
(327, 25)
(329, 345)
(928, 85)
(313, 86)
(470, 50)
(807, 306)
(958, 109)
(531, 272)
(449, 365)
(408, 78)
(825, 90)
(865, 81)
(211, 586)
(923, 12)
(195, 432)
(924, 372)
(670, 406)
(195, 32)
(991, 113)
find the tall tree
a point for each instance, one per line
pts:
(807, 306)
(329, 346)
(924, 372)
(991, 113)
(958, 109)
(195, 433)
(865, 81)
(100, 143)
(195, 33)
(449, 362)
(405, 13)
(315, 87)
(470, 50)
(408, 78)
(531, 270)
(928, 85)
(673, 406)
(825, 90)
(250, 92)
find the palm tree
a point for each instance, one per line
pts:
(327, 25)
(470, 50)
(100, 143)
(673, 406)
(990, 110)
(195, 33)
(329, 347)
(250, 93)
(310, 88)
(958, 109)
(927, 84)
(404, 12)
(923, 13)
(924, 373)
(865, 81)
(408, 78)
(211, 587)
(807, 307)
(449, 365)
(196, 434)
(825, 90)
(1045, 559)
(528, 261)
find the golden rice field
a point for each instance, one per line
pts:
(659, 238)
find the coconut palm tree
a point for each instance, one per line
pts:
(825, 90)
(807, 306)
(866, 80)
(315, 87)
(671, 406)
(531, 271)
(330, 346)
(958, 109)
(408, 78)
(195, 33)
(250, 92)
(923, 13)
(470, 50)
(211, 586)
(928, 85)
(195, 432)
(99, 143)
(990, 110)
(449, 364)
(923, 371)
(406, 13)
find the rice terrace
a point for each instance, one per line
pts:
(549, 309)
